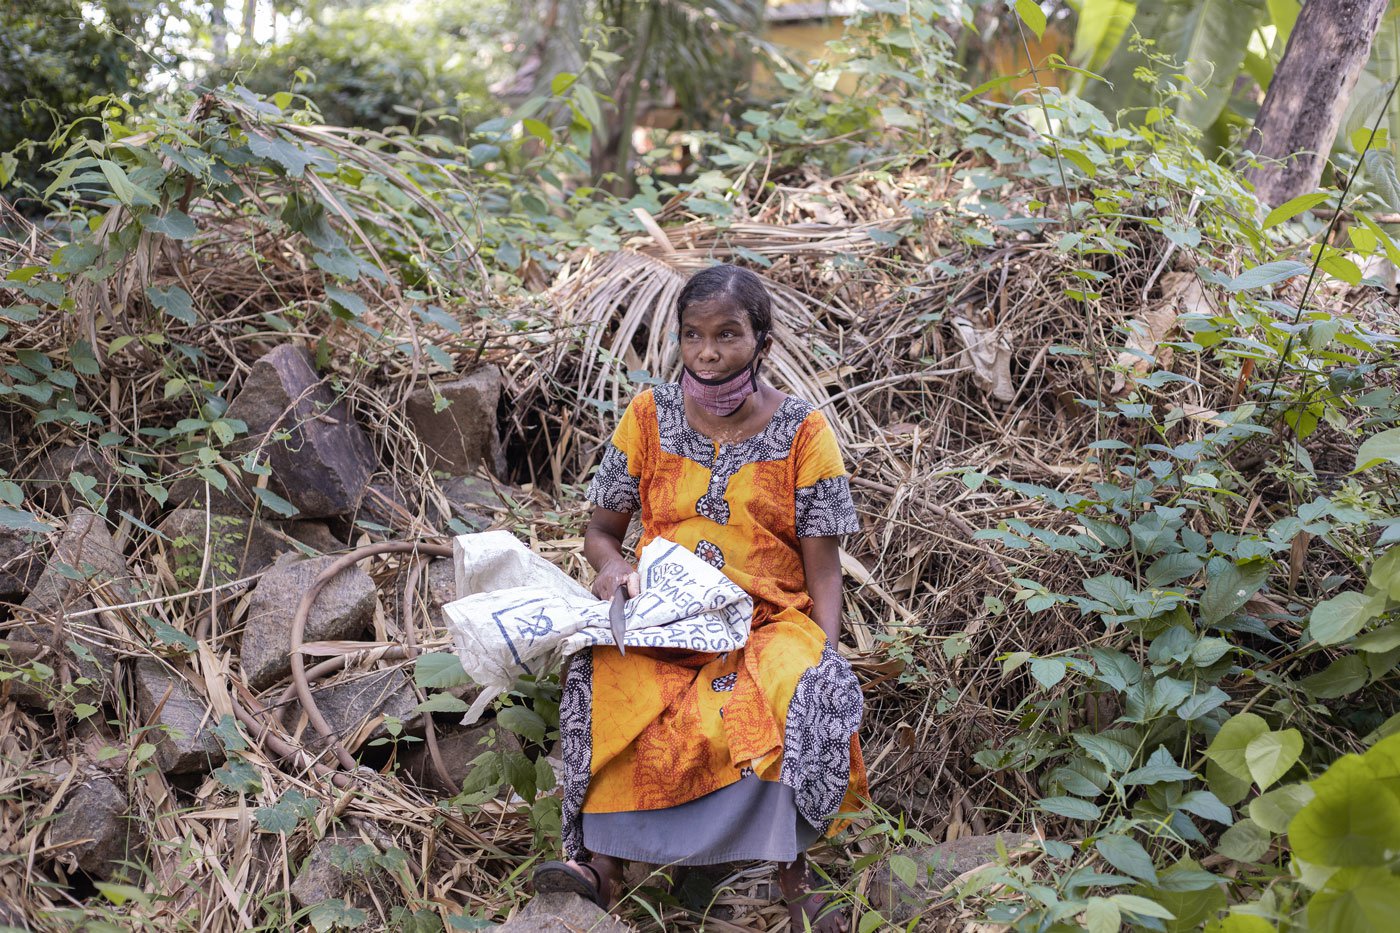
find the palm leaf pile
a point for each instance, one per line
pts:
(936, 360)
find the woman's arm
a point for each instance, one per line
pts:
(602, 546)
(821, 563)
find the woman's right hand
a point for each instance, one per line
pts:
(613, 574)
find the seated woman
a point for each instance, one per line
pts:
(677, 758)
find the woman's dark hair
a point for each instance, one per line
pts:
(723, 281)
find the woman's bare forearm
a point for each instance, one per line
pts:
(821, 564)
(602, 548)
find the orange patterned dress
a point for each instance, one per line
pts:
(655, 730)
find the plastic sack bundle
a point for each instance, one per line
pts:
(517, 614)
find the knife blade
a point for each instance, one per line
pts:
(617, 617)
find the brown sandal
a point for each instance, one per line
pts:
(561, 877)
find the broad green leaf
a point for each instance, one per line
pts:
(1099, 31)
(1379, 448)
(1198, 705)
(1246, 841)
(1192, 895)
(1048, 671)
(1227, 749)
(523, 721)
(1356, 900)
(174, 301)
(442, 703)
(1381, 640)
(1342, 676)
(174, 223)
(1292, 208)
(1207, 806)
(1269, 273)
(1165, 571)
(905, 869)
(335, 914)
(439, 670)
(1032, 15)
(1071, 807)
(1351, 821)
(1127, 856)
(1270, 755)
(1143, 907)
(351, 302)
(1334, 620)
(292, 157)
(21, 520)
(1276, 809)
(1160, 767)
(538, 129)
(1229, 788)
(1231, 588)
(1384, 575)
(276, 503)
(1101, 916)
(1240, 923)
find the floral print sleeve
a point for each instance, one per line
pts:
(617, 483)
(823, 493)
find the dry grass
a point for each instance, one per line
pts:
(876, 334)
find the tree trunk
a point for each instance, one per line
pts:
(218, 30)
(250, 23)
(1308, 95)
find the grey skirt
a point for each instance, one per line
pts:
(751, 819)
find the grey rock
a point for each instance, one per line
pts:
(463, 434)
(352, 703)
(563, 913)
(184, 744)
(86, 563)
(315, 535)
(21, 564)
(473, 501)
(50, 487)
(319, 879)
(343, 609)
(385, 504)
(458, 746)
(938, 866)
(440, 590)
(321, 459)
(93, 821)
(238, 545)
(321, 876)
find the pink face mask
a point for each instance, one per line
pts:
(723, 397)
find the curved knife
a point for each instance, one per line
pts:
(617, 616)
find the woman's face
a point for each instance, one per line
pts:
(717, 339)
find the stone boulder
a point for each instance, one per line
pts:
(358, 704)
(319, 878)
(472, 500)
(21, 564)
(458, 746)
(343, 609)
(50, 488)
(563, 913)
(238, 545)
(323, 876)
(92, 826)
(462, 433)
(86, 566)
(184, 744)
(938, 866)
(321, 459)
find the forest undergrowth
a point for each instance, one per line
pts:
(1125, 448)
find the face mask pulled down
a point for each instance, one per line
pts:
(725, 396)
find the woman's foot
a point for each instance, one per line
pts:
(809, 909)
(598, 880)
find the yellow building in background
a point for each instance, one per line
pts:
(803, 28)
